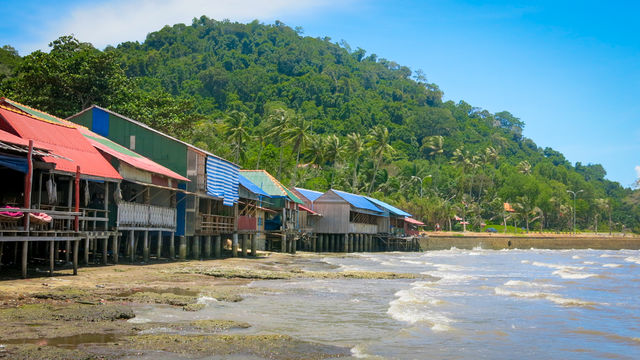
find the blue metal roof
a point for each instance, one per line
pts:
(392, 209)
(309, 194)
(222, 180)
(357, 201)
(251, 186)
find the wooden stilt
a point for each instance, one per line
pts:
(207, 247)
(76, 246)
(86, 251)
(132, 246)
(182, 249)
(254, 245)
(105, 246)
(25, 252)
(244, 245)
(196, 247)
(234, 245)
(145, 246)
(52, 260)
(172, 246)
(159, 242)
(217, 247)
(115, 248)
(67, 251)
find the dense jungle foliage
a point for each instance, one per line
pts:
(320, 115)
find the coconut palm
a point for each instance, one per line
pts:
(355, 147)
(236, 131)
(524, 167)
(379, 143)
(298, 135)
(317, 150)
(433, 145)
(527, 210)
(333, 153)
(279, 121)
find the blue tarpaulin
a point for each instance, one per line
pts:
(14, 162)
(222, 180)
(357, 201)
(309, 194)
(392, 209)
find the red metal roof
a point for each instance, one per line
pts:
(12, 139)
(63, 140)
(304, 208)
(130, 157)
(413, 221)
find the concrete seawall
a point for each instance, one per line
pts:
(521, 242)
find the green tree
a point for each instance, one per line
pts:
(380, 147)
(355, 146)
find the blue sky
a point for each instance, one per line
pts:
(569, 70)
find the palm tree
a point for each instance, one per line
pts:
(355, 147)
(603, 205)
(333, 153)
(317, 151)
(435, 144)
(379, 143)
(260, 135)
(279, 123)
(526, 209)
(235, 130)
(524, 167)
(298, 135)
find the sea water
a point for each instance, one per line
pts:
(472, 304)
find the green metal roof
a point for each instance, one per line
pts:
(38, 113)
(269, 184)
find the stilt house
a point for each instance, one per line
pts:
(208, 206)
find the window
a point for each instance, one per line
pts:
(132, 142)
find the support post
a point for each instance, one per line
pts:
(196, 247)
(345, 243)
(207, 247)
(314, 241)
(104, 250)
(132, 246)
(182, 248)
(76, 245)
(254, 245)
(294, 244)
(172, 245)
(145, 246)
(244, 245)
(234, 245)
(217, 247)
(159, 249)
(115, 247)
(67, 251)
(52, 260)
(86, 251)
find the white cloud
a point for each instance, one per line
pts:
(112, 22)
(638, 171)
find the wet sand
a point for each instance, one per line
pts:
(92, 315)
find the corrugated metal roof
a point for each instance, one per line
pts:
(63, 140)
(192, 147)
(132, 158)
(392, 209)
(309, 194)
(413, 221)
(269, 184)
(357, 201)
(251, 186)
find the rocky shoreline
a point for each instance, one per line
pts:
(92, 315)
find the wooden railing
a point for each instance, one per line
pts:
(214, 224)
(145, 216)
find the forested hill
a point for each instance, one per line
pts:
(321, 114)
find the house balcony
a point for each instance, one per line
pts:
(209, 224)
(142, 216)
